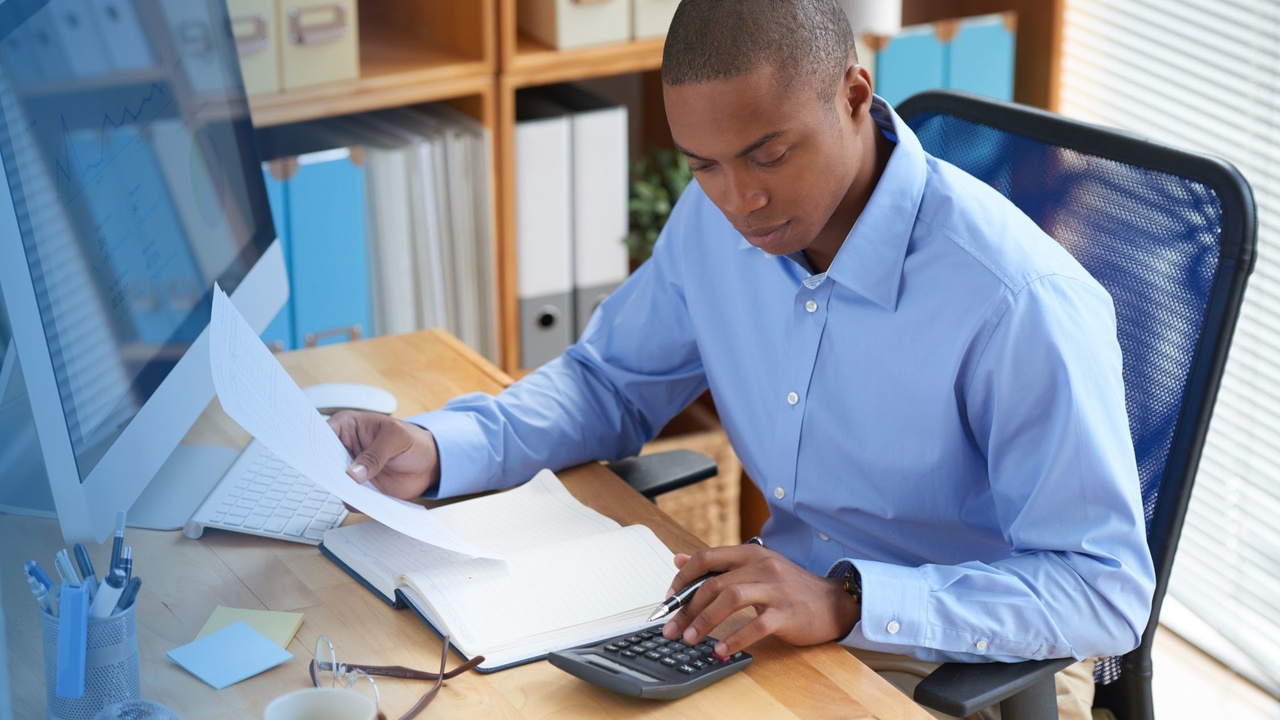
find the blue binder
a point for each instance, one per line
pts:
(328, 251)
(912, 62)
(981, 58)
(279, 334)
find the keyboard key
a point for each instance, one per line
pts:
(233, 521)
(256, 521)
(276, 524)
(297, 526)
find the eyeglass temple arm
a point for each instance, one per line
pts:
(400, 671)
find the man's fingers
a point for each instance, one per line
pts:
(388, 442)
(718, 559)
(728, 600)
(760, 627)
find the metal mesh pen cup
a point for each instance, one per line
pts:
(111, 666)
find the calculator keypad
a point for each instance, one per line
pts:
(652, 647)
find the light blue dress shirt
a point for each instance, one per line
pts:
(944, 406)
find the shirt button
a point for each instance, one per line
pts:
(811, 306)
(981, 645)
(792, 398)
(779, 493)
(893, 627)
(823, 537)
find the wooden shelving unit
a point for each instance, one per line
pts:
(410, 52)
(471, 54)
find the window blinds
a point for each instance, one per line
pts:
(1205, 75)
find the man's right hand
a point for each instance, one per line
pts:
(398, 458)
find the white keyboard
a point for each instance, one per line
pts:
(261, 495)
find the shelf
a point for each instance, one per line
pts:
(396, 69)
(536, 64)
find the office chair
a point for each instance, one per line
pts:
(1172, 236)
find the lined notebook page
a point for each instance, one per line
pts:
(608, 578)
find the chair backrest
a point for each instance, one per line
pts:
(1170, 234)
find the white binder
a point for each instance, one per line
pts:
(600, 216)
(544, 227)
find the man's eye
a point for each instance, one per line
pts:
(700, 168)
(771, 163)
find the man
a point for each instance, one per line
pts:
(925, 386)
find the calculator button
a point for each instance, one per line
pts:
(648, 644)
(663, 650)
(627, 654)
(737, 656)
(686, 669)
(637, 638)
(711, 660)
(699, 664)
(622, 643)
(644, 634)
(612, 647)
(677, 646)
(669, 661)
(653, 655)
(682, 657)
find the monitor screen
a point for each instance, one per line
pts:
(129, 153)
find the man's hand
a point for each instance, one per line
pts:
(790, 602)
(398, 458)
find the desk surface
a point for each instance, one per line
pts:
(186, 579)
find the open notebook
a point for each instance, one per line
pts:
(571, 575)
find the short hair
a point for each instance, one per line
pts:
(802, 40)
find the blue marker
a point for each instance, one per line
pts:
(73, 636)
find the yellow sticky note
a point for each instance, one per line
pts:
(279, 627)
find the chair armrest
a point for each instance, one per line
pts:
(962, 689)
(653, 475)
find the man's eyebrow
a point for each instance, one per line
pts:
(764, 139)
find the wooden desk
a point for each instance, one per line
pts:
(185, 579)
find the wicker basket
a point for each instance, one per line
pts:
(708, 509)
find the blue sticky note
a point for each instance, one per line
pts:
(229, 655)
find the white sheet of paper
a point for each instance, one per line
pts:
(259, 395)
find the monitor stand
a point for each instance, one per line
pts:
(168, 501)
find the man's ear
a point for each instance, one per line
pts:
(857, 89)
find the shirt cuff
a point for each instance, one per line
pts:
(894, 608)
(466, 462)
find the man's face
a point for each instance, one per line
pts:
(776, 159)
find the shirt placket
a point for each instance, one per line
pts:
(810, 317)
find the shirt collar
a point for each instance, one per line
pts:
(871, 259)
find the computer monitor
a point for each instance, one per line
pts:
(130, 184)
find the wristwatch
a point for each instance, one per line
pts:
(845, 572)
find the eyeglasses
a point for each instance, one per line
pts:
(327, 671)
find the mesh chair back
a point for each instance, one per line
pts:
(1169, 234)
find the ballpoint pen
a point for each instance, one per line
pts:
(116, 543)
(88, 576)
(37, 572)
(126, 562)
(66, 570)
(128, 596)
(41, 592)
(682, 597)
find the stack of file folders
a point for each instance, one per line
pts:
(401, 226)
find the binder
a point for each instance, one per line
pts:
(544, 227)
(981, 57)
(78, 34)
(910, 63)
(599, 180)
(279, 334)
(329, 263)
(323, 215)
(127, 45)
(390, 222)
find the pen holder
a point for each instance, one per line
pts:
(111, 665)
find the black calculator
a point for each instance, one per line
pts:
(646, 665)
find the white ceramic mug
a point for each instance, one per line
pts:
(321, 704)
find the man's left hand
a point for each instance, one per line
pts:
(790, 602)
